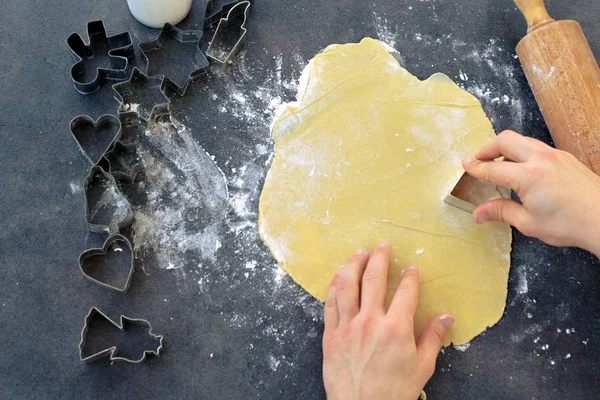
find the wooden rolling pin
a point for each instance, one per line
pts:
(565, 79)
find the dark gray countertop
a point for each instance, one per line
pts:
(234, 327)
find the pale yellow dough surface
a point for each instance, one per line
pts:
(368, 154)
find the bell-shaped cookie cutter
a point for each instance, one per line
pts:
(103, 228)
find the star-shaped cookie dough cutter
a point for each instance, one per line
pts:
(236, 19)
(96, 315)
(118, 49)
(177, 72)
(143, 95)
(124, 162)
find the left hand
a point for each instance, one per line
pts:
(370, 352)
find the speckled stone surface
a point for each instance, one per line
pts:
(234, 327)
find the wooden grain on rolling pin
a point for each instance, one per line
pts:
(565, 79)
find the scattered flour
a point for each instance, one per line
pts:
(76, 187)
(131, 107)
(463, 347)
(522, 285)
(487, 69)
(386, 33)
(192, 204)
(195, 205)
(273, 362)
(186, 197)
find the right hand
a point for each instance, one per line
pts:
(560, 195)
(370, 350)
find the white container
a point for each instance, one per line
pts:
(155, 13)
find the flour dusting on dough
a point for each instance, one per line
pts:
(324, 162)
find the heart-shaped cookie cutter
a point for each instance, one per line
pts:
(105, 120)
(120, 239)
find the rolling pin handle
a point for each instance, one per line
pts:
(535, 13)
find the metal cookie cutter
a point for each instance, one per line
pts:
(116, 244)
(106, 209)
(104, 57)
(142, 95)
(132, 128)
(109, 337)
(95, 138)
(167, 51)
(124, 162)
(469, 193)
(212, 17)
(235, 23)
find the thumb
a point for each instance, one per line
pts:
(431, 341)
(502, 210)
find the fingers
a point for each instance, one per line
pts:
(331, 313)
(347, 290)
(405, 301)
(502, 173)
(503, 210)
(510, 145)
(374, 280)
(431, 341)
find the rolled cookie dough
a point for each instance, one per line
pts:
(367, 154)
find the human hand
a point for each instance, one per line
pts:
(560, 195)
(370, 352)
